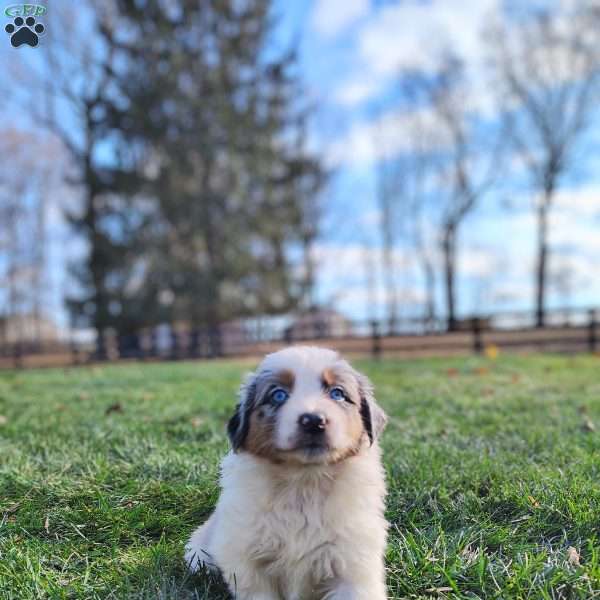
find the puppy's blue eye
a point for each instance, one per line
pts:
(337, 393)
(279, 396)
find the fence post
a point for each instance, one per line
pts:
(194, 344)
(18, 355)
(320, 329)
(174, 343)
(592, 330)
(100, 352)
(74, 351)
(375, 340)
(215, 336)
(477, 341)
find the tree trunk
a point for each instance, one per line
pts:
(390, 284)
(542, 259)
(387, 255)
(308, 297)
(429, 276)
(212, 312)
(95, 260)
(449, 251)
(96, 269)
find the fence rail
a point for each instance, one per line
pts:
(566, 330)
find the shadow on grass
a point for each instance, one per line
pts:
(161, 584)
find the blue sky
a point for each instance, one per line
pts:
(349, 53)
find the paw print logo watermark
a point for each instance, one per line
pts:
(25, 28)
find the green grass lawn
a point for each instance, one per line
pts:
(493, 472)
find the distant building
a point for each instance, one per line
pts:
(28, 328)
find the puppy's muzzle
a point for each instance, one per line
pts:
(312, 423)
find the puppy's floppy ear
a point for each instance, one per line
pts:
(373, 417)
(239, 424)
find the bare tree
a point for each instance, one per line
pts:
(435, 181)
(420, 194)
(389, 182)
(25, 185)
(462, 156)
(369, 264)
(69, 84)
(547, 75)
(404, 194)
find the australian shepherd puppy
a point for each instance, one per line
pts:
(301, 512)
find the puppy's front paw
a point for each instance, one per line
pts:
(198, 559)
(196, 555)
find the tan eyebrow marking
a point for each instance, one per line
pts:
(329, 378)
(286, 378)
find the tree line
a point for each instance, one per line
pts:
(188, 178)
(185, 131)
(541, 71)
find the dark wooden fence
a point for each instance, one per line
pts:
(566, 330)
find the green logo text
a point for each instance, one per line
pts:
(25, 10)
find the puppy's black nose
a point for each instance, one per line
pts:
(312, 422)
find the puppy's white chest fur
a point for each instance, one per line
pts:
(305, 531)
(291, 543)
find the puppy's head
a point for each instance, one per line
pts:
(305, 405)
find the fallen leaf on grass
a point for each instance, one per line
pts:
(197, 422)
(588, 425)
(515, 378)
(452, 372)
(47, 524)
(573, 556)
(481, 371)
(3, 420)
(469, 556)
(116, 407)
(533, 502)
(492, 351)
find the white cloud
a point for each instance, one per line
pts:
(496, 262)
(478, 262)
(412, 34)
(353, 276)
(353, 300)
(584, 202)
(354, 92)
(574, 247)
(352, 260)
(331, 17)
(382, 137)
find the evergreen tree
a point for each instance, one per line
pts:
(207, 198)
